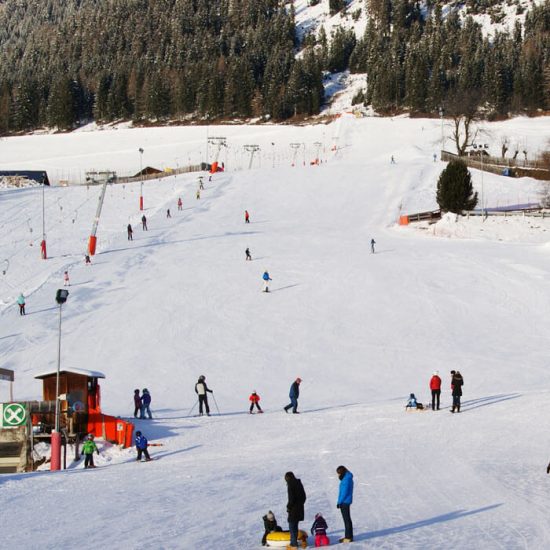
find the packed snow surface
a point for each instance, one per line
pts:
(362, 330)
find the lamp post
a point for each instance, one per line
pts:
(442, 137)
(43, 252)
(482, 147)
(55, 463)
(141, 177)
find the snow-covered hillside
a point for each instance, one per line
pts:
(362, 330)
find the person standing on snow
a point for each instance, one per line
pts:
(248, 256)
(246, 217)
(137, 403)
(456, 386)
(255, 400)
(88, 448)
(180, 204)
(372, 243)
(66, 279)
(201, 390)
(435, 387)
(168, 215)
(266, 280)
(21, 303)
(144, 223)
(345, 498)
(130, 232)
(294, 393)
(294, 507)
(198, 195)
(141, 447)
(145, 403)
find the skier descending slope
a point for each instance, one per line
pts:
(266, 279)
(201, 390)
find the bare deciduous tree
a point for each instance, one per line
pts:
(462, 108)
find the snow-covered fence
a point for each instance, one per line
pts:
(502, 166)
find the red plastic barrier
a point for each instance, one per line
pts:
(55, 461)
(403, 220)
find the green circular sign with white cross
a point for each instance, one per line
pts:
(14, 414)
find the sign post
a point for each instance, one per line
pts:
(12, 415)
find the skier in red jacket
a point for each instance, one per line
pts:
(255, 400)
(435, 386)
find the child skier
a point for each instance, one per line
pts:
(87, 260)
(137, 403)
(21, 302)
(145, 402)
(270, 526)
(319, 531)
(202, 390)
(248, 256)
(266, 279)
(246, 217)
(413, 403)
(141, 446)
(66, 279)
(255, 400)
(88, 449)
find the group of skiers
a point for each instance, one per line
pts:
(295, 509)
(457, 381)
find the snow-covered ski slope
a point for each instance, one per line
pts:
(361, 330)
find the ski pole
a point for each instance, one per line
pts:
(192, 408)
(216, 403)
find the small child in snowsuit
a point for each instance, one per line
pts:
(270, 526)
(266, 278)
(319, 531)
(66, 279)
(255, 400)
(413, 403)
(141, 446)
(137, 403)
(88, 448)
(87, 259)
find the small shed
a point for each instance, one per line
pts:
(79, 393)
(148, 171)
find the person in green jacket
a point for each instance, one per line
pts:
(88, 449)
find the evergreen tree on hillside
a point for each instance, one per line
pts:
(455, 191)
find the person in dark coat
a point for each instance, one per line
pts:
(295, 506)
(130, 232)
(145, 403)
(294, 393)
(248, 256)
(137, 403)
(141, 446)
(144, 222)
(202, 390)
(456, 386)
(270, 526)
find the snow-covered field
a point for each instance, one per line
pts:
(362, 330)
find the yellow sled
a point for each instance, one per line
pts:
(281, 539)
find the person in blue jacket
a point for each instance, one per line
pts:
(345, 498)
(266, 279)
(145, 403)
(294, 393)
(141, 446)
